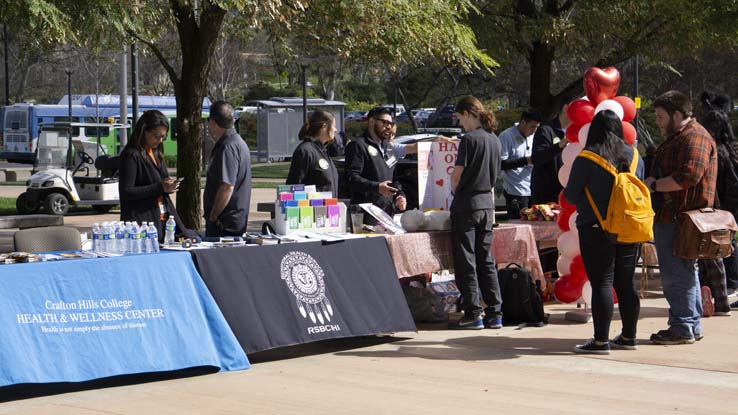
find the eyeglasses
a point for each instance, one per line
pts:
(385, 123)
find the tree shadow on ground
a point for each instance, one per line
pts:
(476, 348)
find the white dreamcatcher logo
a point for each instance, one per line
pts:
(304, 278)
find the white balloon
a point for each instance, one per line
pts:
(573, 222)
(570, 152)
(583, 133)
(568, 244)
(564, 173)
(612, 105)
(587, 293)
(563, 265)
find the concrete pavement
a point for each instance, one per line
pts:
(437, 371)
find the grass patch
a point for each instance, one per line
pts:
(265, 185)
(270, 171)
(7, 207)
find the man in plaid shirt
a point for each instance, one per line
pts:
(684, 174)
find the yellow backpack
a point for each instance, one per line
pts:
(629, 214)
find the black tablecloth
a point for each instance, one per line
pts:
(281, 295)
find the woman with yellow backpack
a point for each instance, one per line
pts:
(614, 216)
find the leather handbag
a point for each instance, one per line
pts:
(704, 234)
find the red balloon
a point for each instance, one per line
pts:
(577, 269)
(572, 132)
(563, 220)
(565, 205)
(601, 84)
(614, 297)
(629, 107)
(567, 290)
(629, 133)
(580, 112)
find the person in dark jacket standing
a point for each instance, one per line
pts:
(472, 216)
(144, 184)
(607, 264)
(548, 143)
(311, 163)
(370, 163)
(228, 186)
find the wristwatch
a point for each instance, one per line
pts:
(653, 186)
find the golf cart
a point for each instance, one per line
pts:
(58, 180)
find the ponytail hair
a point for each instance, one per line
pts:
(315, 121)
(475, 108)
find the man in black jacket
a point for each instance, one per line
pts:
(548, 143)
(370, 162)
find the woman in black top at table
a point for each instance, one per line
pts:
(144, 183)
(311, 164)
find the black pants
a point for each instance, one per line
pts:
(474, 265)
(610, 265)
(731, 267)
(515, 204)
(712, 274)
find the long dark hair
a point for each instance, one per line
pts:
(718, 125)
(476, 109)
(149, 120)
(606, 139)
(315, 121)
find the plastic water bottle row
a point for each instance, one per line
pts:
(126, 237)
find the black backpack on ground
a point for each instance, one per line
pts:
(522, 298)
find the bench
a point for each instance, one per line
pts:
(30, 221)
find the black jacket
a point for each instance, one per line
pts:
(366, 167)
(139, 187)
(544, 181)
(311, 165)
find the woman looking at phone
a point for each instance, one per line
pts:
(144, 183)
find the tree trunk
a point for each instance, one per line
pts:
(197, 45)
(541, 58)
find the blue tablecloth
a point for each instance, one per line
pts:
(76, 320)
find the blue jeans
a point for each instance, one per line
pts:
(681, 284)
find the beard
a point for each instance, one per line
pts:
(381, 132)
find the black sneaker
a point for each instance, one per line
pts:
(467, 323)
(591, 347)
(493, 321)
(734, 304)
(668, 337)
(623, 344)
(698, 336)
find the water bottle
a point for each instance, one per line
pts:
(152, 238)
(144, 237)
(96, 237)
(120, 238)
(105, 240)
(171, 227)
(112, 243)
(135, 239)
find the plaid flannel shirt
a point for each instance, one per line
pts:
(690, 158)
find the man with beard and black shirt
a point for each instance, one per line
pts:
(370, 162)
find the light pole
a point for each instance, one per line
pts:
(7, 75)
(69, 105)
(303, 67)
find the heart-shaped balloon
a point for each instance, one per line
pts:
(601, 84)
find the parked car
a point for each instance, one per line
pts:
(353, 115)
(445, 118)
